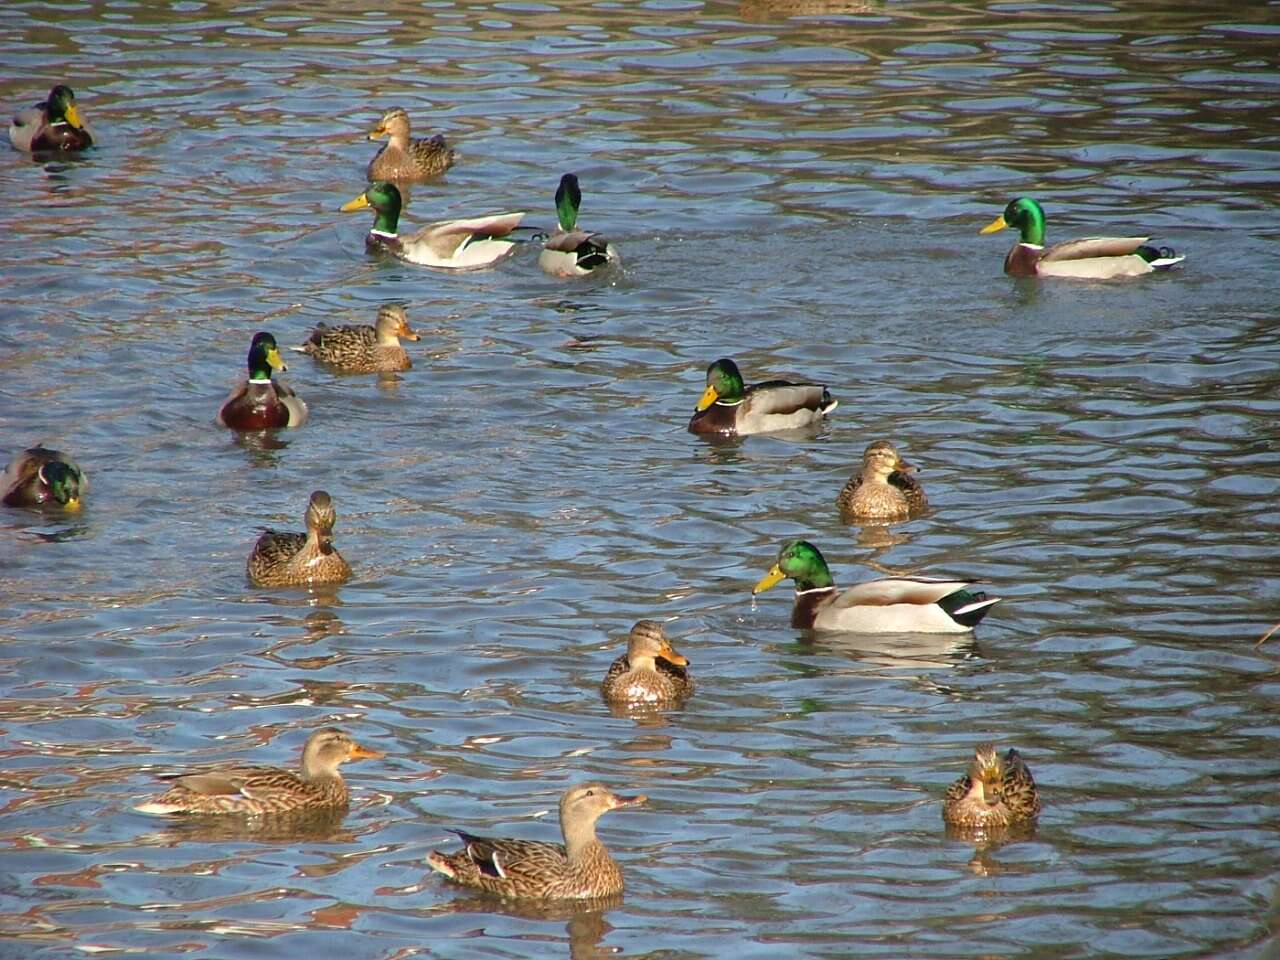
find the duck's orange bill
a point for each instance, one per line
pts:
(709, 396)
(359, 203)
(770, 579)
(997, 224)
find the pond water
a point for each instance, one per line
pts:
(797, 184)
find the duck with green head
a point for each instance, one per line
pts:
(262, 402)
(571, 252)
(471, 244)
(1092, 258)
(40, 477)
(729, 408)
(996, 791)
(405, 159)
(286, 559)
(887, 605)
(54, 124)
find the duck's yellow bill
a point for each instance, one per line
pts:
(997, 224)
(770, 579)
(73, 117)
(378, 132)
(709, 396)
(359, 203)
(274, 360)
(669, 654)
(73, 504)
(359, 752)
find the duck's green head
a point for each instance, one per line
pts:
(63, 481)
(802, 562)
(568, 200)
(1025, 214)
(385, 200)
(724, 384)
(264, 356)
(62, 107)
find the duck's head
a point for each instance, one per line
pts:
(568, 200)
(585, 803)
(802, 562)
(63, 481)
(986, 770)
(1025, 214)
(62, 107)
(648, 642)
(264, 356)
(395, 122)
(880, 459)
(386, 202)
(329, 748)
(393, 322)
(320, 518)
(724, 384)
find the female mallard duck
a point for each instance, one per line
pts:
(1092, 258)
(260, 402)
(39, 476)
(259, 791)
(650, 671)
(362, 348)
(300, 559)
(888, 605)
(54, 124)
(570, 252)
(404, 158)
(996, 792)
(731, 409)
(451, 244)
(578, 869)
(884, 489)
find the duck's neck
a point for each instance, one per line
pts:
(818, 579)
(314, 772)
(1031, 226)
(580, 839)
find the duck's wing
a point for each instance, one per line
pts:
(511, 859)
(915, 591)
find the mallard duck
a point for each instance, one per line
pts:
(263, 791)
(728, 408)
(54, 124)
(650, 671)
(300, 559)
(362, 348)
(261, 402)
(888, 605)
(39, 476)
(403, 158)
(996, 791)
(578, 869)
(570, 252)
(883, 489)
(451, 244)
(1092, 258)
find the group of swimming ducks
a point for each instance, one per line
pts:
(997, 791)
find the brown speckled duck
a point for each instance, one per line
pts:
(995, 792)
(263, 791)
(883, 489)
(1092, 258)
(404, 158)
(300, 559)
(38, 476)
(262, 402)
(651, 671)
(54, 124)
(362, 348)
(578, 869)
(728, 408)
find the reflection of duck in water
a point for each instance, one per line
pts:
(884, 489)
(996, 791)
(757, 11)
(651, 671)
(580, 868)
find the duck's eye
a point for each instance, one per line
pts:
(590, 793)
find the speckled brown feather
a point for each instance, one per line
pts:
(363, 348)
(644, 674)
(877, 492)
(405, 159)
(282, 559)
(1011, 795)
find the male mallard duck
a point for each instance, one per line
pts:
(570, 252)
(300, 559)
(260, 402)
(403, 158)
(650, 671)
(258, 791)
(578, 869)
(883, 489)
(1092, 258)
(996, 792)
(38, 476)
(452, 244)
(888, 605)
(727, 407)
(362, 348)
(54, 124)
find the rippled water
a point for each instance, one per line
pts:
(794, 183)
